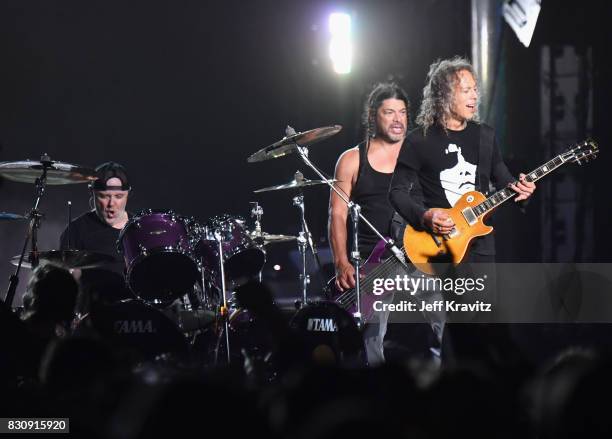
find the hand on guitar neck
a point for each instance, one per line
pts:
(523, 188)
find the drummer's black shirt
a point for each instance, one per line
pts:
(89, 232)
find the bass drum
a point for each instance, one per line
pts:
(156, 247)
(330, 334)
(135, 327)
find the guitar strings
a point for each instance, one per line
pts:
(347, 298)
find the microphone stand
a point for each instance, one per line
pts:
(32, 233)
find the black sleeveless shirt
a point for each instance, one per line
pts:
(371, 192)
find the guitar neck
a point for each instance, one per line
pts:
(506, 193)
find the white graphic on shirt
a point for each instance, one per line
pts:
(459, 179)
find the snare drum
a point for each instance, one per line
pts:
(156, 247)
(243, 258)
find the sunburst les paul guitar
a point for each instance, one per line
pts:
(424, 248)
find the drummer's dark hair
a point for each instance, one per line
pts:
(380, 92)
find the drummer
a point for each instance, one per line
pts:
(98, 230)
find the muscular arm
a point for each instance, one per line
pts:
(346, 173)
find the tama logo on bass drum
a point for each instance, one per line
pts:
(322, 325)
(134, 327)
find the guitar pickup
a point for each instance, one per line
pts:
(469, 216)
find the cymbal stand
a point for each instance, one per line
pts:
(257, 213)
(305, 240)
(218, 235)
(356, 215)
(32, 232)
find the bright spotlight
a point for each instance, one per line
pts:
(340, 47)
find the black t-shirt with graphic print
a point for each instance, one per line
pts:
(434, 170)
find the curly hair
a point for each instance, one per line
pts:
(380, 92)
(439, 90)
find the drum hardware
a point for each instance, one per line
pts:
(292, 141)
(56, 173)
(297, 183)
(68, 258)
(68, 227)
(6, 216)
(257, 213)
(268, 238)
(224, 310)
(41, 173)
(304, 239)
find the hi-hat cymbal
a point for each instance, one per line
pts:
(268, 238)
(69, 258)
(298, 182)
(27, 171)
(289, 144)
(6, 216)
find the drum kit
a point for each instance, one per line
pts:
(170, 258)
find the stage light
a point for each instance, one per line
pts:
(340, 46)
(277, 267)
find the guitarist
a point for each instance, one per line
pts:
(364, 174)
(449, 154)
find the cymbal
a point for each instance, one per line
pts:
(68, 258)
(27, 171)
(298, 182)
(5, 216)
(289, 144)
(268, 238)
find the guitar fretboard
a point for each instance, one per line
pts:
(506, 193)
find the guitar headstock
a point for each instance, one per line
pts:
(582, 152)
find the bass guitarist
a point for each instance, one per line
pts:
(364, 174)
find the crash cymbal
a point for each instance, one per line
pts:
(68, 258)
(298, 182)
(27, 171)
(268, 238)
(5, 216)
(289, 144)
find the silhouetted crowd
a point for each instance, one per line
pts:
(279, 382)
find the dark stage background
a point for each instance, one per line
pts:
(182, 93)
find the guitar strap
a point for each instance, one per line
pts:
(485, 156)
